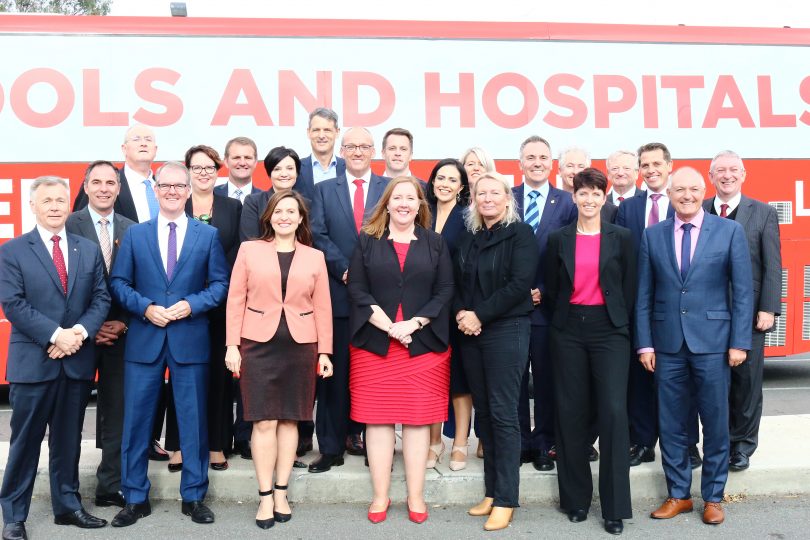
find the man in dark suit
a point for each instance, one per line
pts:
(622, 173)
(241, 160)
(136, 200)
(644, 209)
(693, 321)
(397, 151)
(546, 209)
(761, 225)
(339, 208)
(322, 164)
(100, 224)
(169, 272)
(52, 291)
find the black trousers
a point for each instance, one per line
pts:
(332, 414)
(494, 362)
(591, 359)
(539, 359)
(110, 415)
(745, 398)
(59, 406)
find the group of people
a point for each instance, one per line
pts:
(385, 300)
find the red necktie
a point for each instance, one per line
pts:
(59, 261)
(358, 203)
(621, 199)
(723, 210)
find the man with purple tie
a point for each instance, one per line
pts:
(168, 273)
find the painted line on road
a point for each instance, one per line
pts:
(788, 388)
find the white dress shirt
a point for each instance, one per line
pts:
(663, 206)
(352, 188)
(46, 236)
(247, 189)
(614, 196)
(541, 199)
(163, 236)
(135, 182)
(732, 203)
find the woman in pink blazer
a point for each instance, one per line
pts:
(278, 336)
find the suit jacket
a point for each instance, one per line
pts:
(334, 232)
(453, 227)
(305, 184)
(222, 190)
(254, 206)
(631, 215)
(81, 224)
(255, 302)
(507, 263)
(711, 309)
(226, 215)
(139, 280)
(424, 288)
(124, 203)
(761, 224)
(35, 304)
(608, 213)
(617, 273)
(559, 211)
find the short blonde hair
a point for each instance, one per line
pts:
(473, 218)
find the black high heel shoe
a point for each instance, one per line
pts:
(266, 523)
(281, 518)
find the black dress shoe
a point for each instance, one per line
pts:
(552, 452)
(526, 456)
(694, 457)
(641, 454)
(542, 462)
(304, 446)
(278, 516)
(355, 445)
(577, 516)
(80, 518)
(243, 449)
(614, 526)
(738, 462)
(157, 453)
(325, 462)
(111, 499)
(593, 454)
(174, 467)
(198, 511)
(14, 531)
(222, 466)
(299, 464)
(131, 513)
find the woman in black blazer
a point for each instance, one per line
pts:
(400, 284)
(590, 286)
(495, 264)
(224, 214)
(448, 195)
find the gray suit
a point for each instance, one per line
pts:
(761, 226)
(110, 361)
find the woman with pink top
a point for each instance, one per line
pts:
(590, 284)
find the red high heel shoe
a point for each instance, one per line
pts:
(417, 517)
(379, 517)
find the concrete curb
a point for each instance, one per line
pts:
(780, 466)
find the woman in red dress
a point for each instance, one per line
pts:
(400, 284)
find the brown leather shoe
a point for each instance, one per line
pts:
(713, 513)
(499, 518)
(671, 508)
(483, 508)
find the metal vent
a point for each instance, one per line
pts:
(776, 337)
(784, 209)
(806, 282)
(785, 281)
(806, 321)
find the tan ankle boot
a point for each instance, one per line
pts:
(483, 508)
(499, 518)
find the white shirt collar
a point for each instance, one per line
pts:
(181, 221)
(732, 203)
(46, 236)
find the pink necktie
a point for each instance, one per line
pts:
(654, 217)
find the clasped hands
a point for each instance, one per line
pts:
(68, 341)
(468, 322)
(161, 316)
(109, 332)
(402, 330)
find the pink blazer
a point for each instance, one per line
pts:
(254, 298)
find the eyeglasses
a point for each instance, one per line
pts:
(365, 148)
(138, 138)
(165, 188)
(197, 169)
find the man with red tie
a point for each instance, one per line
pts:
(52, 290)
(622, 173)
(339, 207)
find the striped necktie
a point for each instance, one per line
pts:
(532, 214)
(104, 242)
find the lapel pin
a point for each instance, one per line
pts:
(552, 201)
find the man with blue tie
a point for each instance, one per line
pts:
(169, 272)
(240, 159)
(339, 207)
(645, 209)
(546, 209)
(693, 321)
(53, 293)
